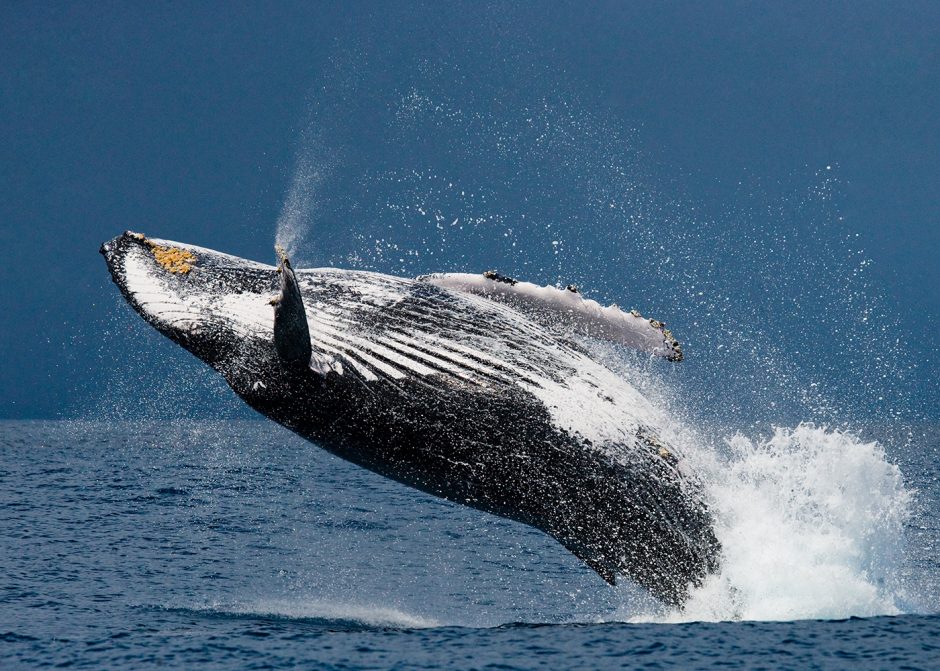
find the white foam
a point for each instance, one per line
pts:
(811, 526)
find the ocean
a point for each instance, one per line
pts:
(237, 545)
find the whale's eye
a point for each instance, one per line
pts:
(173, 259)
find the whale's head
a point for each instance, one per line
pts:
(219, 307)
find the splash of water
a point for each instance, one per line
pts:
(811, 523)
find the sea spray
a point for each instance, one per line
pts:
(336, 612)
(811, 523)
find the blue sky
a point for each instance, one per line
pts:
(707, 163)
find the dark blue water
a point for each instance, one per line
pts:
(238, 545)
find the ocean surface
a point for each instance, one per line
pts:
(236, 545)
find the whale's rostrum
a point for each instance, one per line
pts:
(471, 388)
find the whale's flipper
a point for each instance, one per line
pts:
(566, 310)
(291, 333)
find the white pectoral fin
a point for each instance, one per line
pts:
(568, 311)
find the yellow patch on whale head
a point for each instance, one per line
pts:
(174, 259)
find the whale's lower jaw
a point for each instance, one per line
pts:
(450, 394)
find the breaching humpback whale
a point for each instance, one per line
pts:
(474, 388)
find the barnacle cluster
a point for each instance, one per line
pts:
(667, 336)
(497, 277)
(173, 259)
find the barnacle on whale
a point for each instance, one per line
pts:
(173, 259)
(498, 277)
